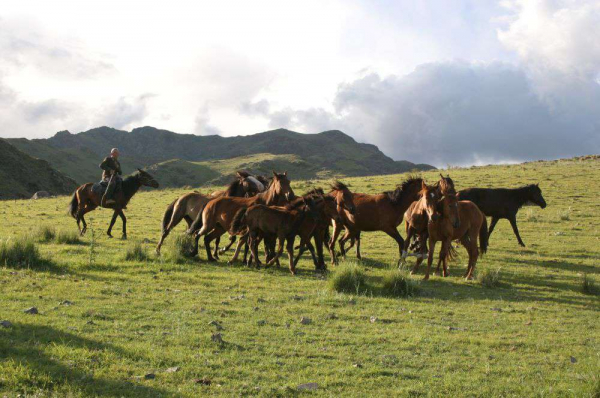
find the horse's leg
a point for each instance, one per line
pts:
(231, 242)
(492, 225)
(513, 223)
(393, 232)
(358, 255)
(318, 237)
(442, 256)
(238, 248)
(218, 231)
(473, 255)
(253, 243)
(337, 229)
(112, 222)
(281, 241)
(216, 251)
(342, 242)
(430, 257)
(290, 251)
(124, 219)
(409, 235)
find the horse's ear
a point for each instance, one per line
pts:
(274, 173)
(441, 176)
(285, 173)
(238, 174)
(140, 170)
(423, 185)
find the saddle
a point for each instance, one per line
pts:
(99, 188)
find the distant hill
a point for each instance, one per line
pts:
(334, 152)
(22, 175)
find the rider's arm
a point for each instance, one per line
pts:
(107, 165)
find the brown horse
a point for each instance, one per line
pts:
(339, 198)
(455, 220)
(85, 199)
(217, 216)
(416, 218)
(381, 212)
(280, 222)
(188, 206)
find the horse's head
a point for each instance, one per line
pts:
(448, 207)
(249, 184)
(313, 205)
(445, 185)
(343, 197)
(146, 179)
(281, 185)
(534, 194)
(430, 196)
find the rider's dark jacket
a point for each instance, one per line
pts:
(109, 166)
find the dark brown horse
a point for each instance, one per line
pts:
(85, 199)
(280, 222)
(504, 203)
(188, 206)
(217, 216)
(381, 212)
(455, 220)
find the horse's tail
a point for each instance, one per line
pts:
(239, 221)
(73, 205)
(166, 220)
(451, 253)
(483, 236)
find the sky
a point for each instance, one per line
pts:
(450, 82)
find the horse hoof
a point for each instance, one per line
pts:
(124, 237)
(426, 278)
(109, 235)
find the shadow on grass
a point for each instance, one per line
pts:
(24, 344)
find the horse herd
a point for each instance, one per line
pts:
(259, 209)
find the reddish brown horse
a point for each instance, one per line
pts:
(416, 218)
(218, 214)
(455, 220)
(382, 212)
(85, 199)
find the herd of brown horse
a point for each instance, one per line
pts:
(258, 209)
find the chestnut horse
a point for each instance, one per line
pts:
(188, 206)
(416, 218)
(85, 200)
(381, 212)
(452, 219)
(217, 216)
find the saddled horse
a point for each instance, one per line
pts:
(504, 203)
(188, 206)
(217, 216)
(452, 219)
(86, 199)
(381, 212)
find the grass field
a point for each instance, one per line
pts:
(111, 327)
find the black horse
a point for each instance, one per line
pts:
(504, 203)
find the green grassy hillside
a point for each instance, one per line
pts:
(108, 326)
(78, 155)
(21, 175)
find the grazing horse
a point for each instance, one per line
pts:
(451, 219)
(381, 212)
(188, 206)
(504, 203)
(217, 216)
(416, 218)
(281, 222)
(85, 199)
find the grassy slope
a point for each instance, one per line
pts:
(177, 173)
(516, 340)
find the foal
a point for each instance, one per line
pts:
(282, 223)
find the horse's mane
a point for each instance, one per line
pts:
(396, 196)
(315, 191)
(243, 173)
(338, 186)
(232, 188)
(131, 184)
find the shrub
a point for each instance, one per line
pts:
(179, 249)
(44, 234)
(397, 284)
(348, 278)
(20, 252)
(565, 215)
(489, 278)
(67, 238)
(588, 286)
(531, 216)
(136, 252)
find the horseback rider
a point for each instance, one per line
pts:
(111, 175)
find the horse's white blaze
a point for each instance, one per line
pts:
(258, 184)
